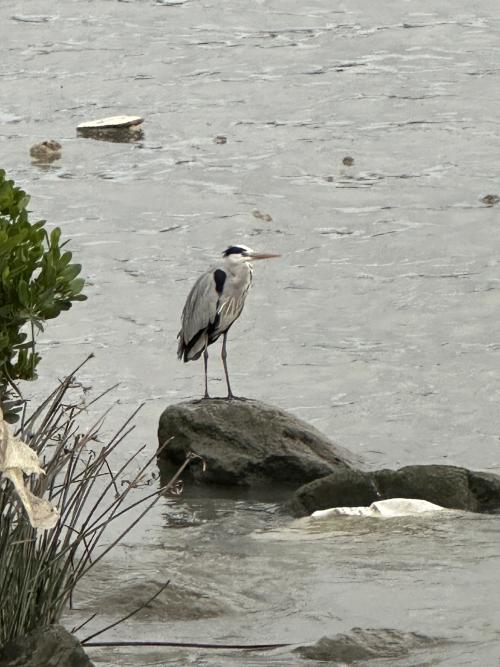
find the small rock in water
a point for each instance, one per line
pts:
(46, 151)
(262, 216)
(347, 167)
(490, 200)
(366, 644)
(121, 129)
(220, 139)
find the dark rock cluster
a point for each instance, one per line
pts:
(449, 486)
(246, 442)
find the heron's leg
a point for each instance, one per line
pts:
(205, 363)
(224, 356)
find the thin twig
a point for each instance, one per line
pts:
(230, 647)
(82, 625)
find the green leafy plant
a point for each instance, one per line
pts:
(37, 282)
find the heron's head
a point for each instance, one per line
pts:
(240, 254)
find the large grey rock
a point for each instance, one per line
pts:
(448, 486)
(365, 644)
(247, 442)
(49, 646)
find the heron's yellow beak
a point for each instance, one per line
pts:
(262, 255)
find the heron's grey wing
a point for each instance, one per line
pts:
(200, 309)
(229, 310)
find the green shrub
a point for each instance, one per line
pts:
(37, 281)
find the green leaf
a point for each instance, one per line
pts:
(66, 258)
(55, 235)
(77, 285)
(23, 292)
(71, 271)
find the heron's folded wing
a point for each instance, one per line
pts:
(201, 307)
(229, 310)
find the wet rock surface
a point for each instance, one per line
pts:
(50, 646)
(46, 151)
(246, 442)
(341, 488)
(365, 644)
(449, 486)
(175, 603)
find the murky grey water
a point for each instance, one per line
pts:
(379, 325)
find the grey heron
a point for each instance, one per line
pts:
(214, 303)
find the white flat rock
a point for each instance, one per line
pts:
(383, 508)
(111, 122)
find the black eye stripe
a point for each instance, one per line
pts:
(234, 250)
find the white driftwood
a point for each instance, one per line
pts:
(16, 460)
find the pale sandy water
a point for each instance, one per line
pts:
(379, 325)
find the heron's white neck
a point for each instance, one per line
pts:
(237, 267)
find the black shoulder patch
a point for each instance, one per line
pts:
(234, 250)
(220, 279)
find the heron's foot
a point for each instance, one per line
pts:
(232, 397)
(205, 396)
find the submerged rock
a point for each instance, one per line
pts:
(365, 644)
(246, 442)
(267, 217)
(448, 486)
(174, 603)
(49, 646)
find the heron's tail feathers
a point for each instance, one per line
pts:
(194, 348)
